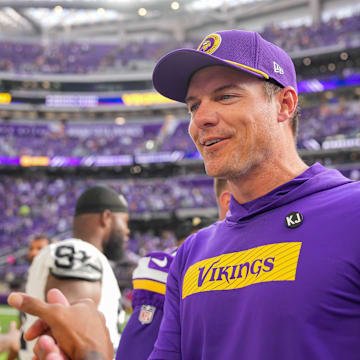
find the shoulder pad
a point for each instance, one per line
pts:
(76, 260)
(152, 271)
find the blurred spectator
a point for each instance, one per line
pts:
(11, 340)
(36, 245)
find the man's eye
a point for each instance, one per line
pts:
(194, 107)
(225, 97)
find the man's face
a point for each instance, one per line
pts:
(119, 236)
(35, 247)
(233, 124)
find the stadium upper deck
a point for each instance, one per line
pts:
(84, 58)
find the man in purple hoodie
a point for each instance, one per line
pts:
(280, 277)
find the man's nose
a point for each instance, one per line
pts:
(205, 116)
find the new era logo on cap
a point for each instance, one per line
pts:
(278, 69)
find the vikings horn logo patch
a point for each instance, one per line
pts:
(210, 43)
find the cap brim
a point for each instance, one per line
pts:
(173, 72)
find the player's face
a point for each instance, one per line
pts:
(119, 236)
(35, 247)
(232, 122)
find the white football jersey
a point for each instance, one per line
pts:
(74, 259)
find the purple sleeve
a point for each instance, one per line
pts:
(168, 343)
(137, 340)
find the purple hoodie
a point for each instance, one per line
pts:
(278, 279)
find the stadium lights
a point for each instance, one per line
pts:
(344, 56)
(120, 120)
(136, 169)
(175, 5)
(100, 11)
(307, 61)
(58, 9)
(142, 11)
(150, 144)
(331, 67)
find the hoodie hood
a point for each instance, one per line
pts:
(313, 180)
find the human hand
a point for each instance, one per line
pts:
(14, 336)
(47, 349)
(11, 340)
(79, 329)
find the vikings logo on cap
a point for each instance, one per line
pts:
(210, 43)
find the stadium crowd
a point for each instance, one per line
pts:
(45, 205)
(101, 138)
(62, 58)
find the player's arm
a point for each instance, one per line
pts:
(149, 283)
(75, 289)
(76, 271)
(138, 339)
(168, 343)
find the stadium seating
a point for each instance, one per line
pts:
(101, 138)
(81, 58)
(335, 31)
(41, 204)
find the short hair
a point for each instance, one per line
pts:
(271, 88)
(40, 237)
(99, 198)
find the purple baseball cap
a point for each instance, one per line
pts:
(242, 50)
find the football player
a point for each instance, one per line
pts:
(79, 266)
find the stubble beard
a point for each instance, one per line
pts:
(235, 168)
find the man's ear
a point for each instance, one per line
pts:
(106, 218)
(288, 101)
(224, 200)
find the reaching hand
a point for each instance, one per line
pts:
(46, 349)
(79, 329)
(11, 340)
(15, 334)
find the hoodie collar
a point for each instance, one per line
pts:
(314, 179)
